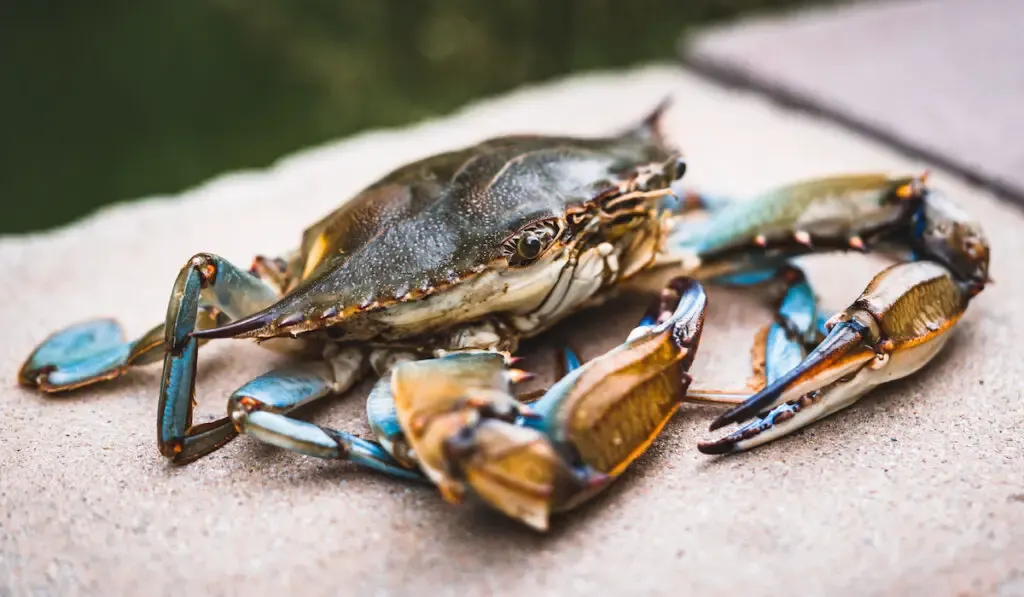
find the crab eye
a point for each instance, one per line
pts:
(531, 241)
(529, 246)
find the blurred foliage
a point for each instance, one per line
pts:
(104, 101)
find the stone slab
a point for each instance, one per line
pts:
(916, 490)
(942, 78)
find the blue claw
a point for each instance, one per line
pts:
(760, 430)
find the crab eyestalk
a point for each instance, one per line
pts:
(528, 462)
(901, 321)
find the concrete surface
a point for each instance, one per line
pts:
(916, 490)
(941, 76)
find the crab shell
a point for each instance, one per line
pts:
(434, 244)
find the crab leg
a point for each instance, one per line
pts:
(570, 361)
(854, 213)
(94, 351)
(87, 353)
(892, 330)
(685, 202)
(459, 373)
(797, 329)
(840, 213)
(258, 409)
(233, 291)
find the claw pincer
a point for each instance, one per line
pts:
(896, 326)
(528, 462)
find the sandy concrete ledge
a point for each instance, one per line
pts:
(917, 490)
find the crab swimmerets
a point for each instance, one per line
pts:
(432, 275)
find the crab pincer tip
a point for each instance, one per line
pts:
(763, 400)
(726, 445)
(748, 409)
(722, 420)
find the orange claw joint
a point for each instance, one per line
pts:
(896, 327)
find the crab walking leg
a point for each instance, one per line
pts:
(276, 272)
(779, 348)
(783, 350)
(94, 351)
(570, 361)
(383, 421)
(87, 353)
(212, 280)
(896, 327)
(323, 442)
(259, 408)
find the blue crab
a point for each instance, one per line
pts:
(433, 275)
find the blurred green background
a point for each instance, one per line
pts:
(103, 101)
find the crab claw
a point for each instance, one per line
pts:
(844, 351)
(892, 330)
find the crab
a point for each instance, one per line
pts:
(433, 275)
